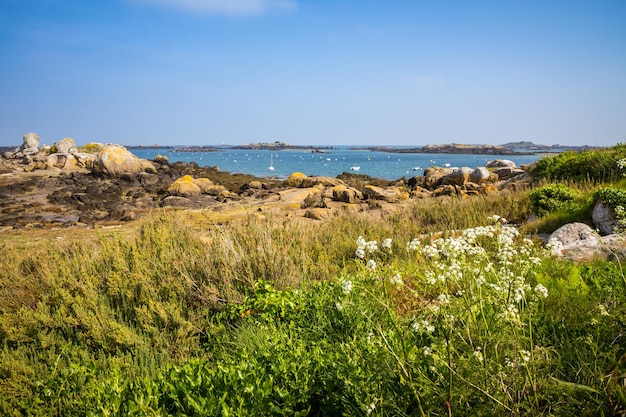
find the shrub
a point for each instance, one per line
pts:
(551, 197)
(597, 165)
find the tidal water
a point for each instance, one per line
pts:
(331, 163)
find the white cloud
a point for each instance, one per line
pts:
(223, 7)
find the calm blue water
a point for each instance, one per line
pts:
(389, 166)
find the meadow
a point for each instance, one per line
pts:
(449, 308)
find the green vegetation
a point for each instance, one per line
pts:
(442, 309)
(551, 197)
(594, 165)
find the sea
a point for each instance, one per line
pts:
(331, 162)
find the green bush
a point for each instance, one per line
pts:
(595, 165)
(550, 198)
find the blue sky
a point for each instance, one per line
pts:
(396, 72)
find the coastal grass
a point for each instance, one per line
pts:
(436, 309)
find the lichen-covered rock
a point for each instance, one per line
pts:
(205, 184)
(295, 179)
(184, 187)
(345, 194)
(320, 181)
(458, 176)
(390, 195)
(433, 177)
(116, 160)
(317, 213)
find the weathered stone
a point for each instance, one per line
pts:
(175, 201)
(603, 218)
(30, 140)
(433, 177)
(506, 173)
(295, 179)
(458, 176)
(320, 181)
(444, 190)
(205, 184)
(346, 195)
(161, 159)
(575, 234)
(66, 145)
(480, 175)
(184, 187)
(419, 192)
(317, 213)
(499, 163)
(390, 195)
(116, 160)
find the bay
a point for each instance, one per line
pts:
(331, 163)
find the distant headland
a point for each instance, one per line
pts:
(511, 148)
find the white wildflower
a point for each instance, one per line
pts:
(396, 280)
(370, 408)
(338, 306)
(386, 243)
(346, 286)
(360, 253)
(371, 246)
(371, 265)
(427, 351)
(413, 245)
(541, 290)
(555, 246)
(443, 298)
(478, 355)
(423, 326)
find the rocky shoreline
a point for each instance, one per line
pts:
(68, 186)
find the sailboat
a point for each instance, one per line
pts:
(271, 167)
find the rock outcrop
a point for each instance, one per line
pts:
(116, 160)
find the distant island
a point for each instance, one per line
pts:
(279, 146)
(511, 148)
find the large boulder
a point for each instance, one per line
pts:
(480, 175)
(603, 218)
(30, 146)
(295, 179)
(345, 194)
(458, 176)
(116, 160)
(66, 145)
(433, 177)
(184, 187)
(506, 173)
(500, 163)
(574, 237)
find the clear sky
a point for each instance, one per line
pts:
(372, 72)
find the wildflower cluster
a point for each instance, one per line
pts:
(475, 281)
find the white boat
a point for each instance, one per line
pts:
(271, 167)
(355, 168)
